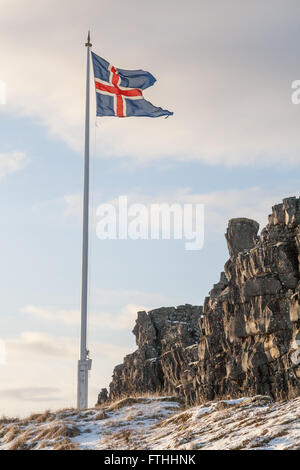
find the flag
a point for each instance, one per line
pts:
(119, 92)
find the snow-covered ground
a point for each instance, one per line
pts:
(161, 423)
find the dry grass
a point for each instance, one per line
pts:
(43, 444)
(224, 416)
(124, 435)
(57, 430)
(116, 424)
(125, 421)
(5, 420)
(39, 418)
(101, 415)
(20, 443)
(11, 432)
(139, 398)
(69, 411)
(47, 416)
(194, 446)
(291, 420)
(140, 414)
(180, 419)
(66, 444)
(130, 418)
(32, 417)
(3, 430)
(123, 438)
(44, 417)
(68, 431)
(222, 405)
(129, 401)
(219, 436)
(262, 441)
(242, 444)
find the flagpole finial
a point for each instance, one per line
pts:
(88, 43)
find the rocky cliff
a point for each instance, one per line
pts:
(167, 340)
(245, 339)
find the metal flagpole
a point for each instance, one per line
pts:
(85, 363)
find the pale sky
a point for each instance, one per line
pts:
(233, 144)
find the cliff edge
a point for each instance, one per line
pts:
(244, 340)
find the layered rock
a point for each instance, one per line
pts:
(244, 340)
(241, 234)
(167, 338)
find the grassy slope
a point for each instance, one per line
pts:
(161, 423)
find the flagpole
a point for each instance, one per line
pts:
(84, 363)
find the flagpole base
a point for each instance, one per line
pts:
(82, 392)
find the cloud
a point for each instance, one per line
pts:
(33, 394)
(228, 81)
(220, 206)
(253, 202)
(111, 352)
(123, 320)
(35, 344)
(73, 205)
(41, 371)
(117, 298)
(12, 162)
(64, 208)
(69, 317)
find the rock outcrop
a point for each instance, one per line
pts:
(244, 341)
(167, 339)
(103, 396)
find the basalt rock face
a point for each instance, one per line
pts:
(241, 235)
(167, 338)
(246, 338)
(103, 396)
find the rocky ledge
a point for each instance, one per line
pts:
(244, 340)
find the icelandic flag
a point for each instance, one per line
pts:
(119, 92)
